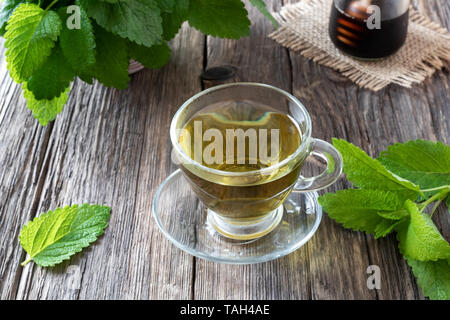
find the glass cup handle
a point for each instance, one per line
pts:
(332, 157)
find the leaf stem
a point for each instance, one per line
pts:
(51, 5)
(437, 188)
(26, 262)
(438, 196)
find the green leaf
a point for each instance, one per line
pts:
(369, 173)
(78, 45)
(422, 162)
(433, 277)
(166, 5)
(7, 7)
(52, 78)
(153, 57)
(57, 235)
(174, 18)
(112, 60)
(45, 110)
(219, 18)
(395, 215)
(419, 238)
(30, 36)
(385, 227)
(137, 20)
(358, 208)
(261, 6)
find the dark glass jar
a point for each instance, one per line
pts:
(369, 29)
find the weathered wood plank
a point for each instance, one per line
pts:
(22, 165)
(111, 147)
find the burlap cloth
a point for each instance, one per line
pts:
(304, 28)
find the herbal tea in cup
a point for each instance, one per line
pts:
(241, 147)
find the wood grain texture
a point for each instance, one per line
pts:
(112, 147)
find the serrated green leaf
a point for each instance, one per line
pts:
(7, 7)
(166, 5)
(153, 57)
(419, 238)
(78, 45)
(433, 277)
(30, 36)
(422, 162)
(52, 78)
(369, 173)
(261, 6)
(45, 110)
(395, 215)
(57, 235)
(219, 18)
(386, 227)
(173, 19)
(112, 60)
(358, 208)
(137, 20)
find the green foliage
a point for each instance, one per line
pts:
(57, 235)
(78, 45)
(369, 173)
(429, 167)
(433, 277)
(358, 208)
(137, 20)
(219, 18)
(30, 35)
(7, 7)
(112, 59)
(384, 204)
(45, 51)
(153, 57)
(419, 238)
(45, 110)
(52, 78)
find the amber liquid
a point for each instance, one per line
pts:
(352, 35)
(244, 199)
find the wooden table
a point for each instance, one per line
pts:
(112, 147)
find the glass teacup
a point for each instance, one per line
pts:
(241, 147)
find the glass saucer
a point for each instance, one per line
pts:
(183, 220)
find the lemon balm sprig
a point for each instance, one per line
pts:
(391, 195)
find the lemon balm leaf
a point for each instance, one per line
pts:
(219, 18)
(78, 45)
(359, 209)
(173, 18)
(112, 59)
(52, 78)
(419, 238)
(137, 20)
(153, 57)
(45, 110)
(56, 235)
(30, 35)
(7, 7)
(425, 163)
(368, 173)
(433, 277)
